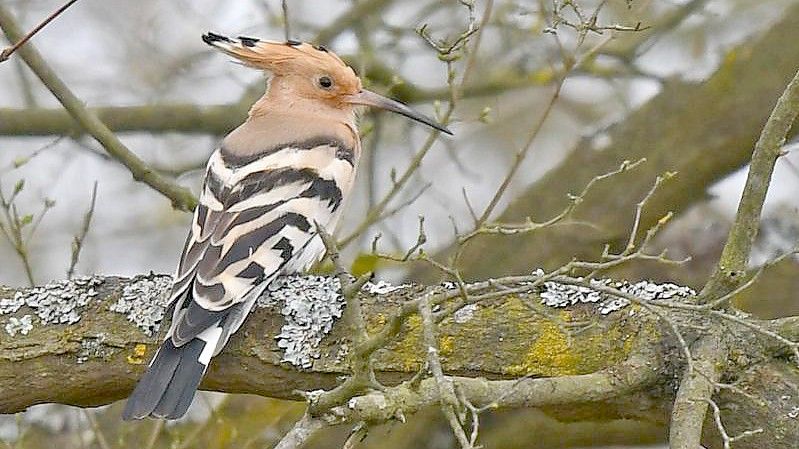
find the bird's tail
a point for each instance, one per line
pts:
(168, 387)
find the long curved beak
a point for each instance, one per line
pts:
(369, 98)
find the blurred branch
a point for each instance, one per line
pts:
(155, 118)
(221, 119)
(6, 53)
(347, 21)
(286, 23)
(181, 198)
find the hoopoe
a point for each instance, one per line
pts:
(273, 180)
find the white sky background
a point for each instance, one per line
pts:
(117, 52)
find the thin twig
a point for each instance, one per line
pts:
(447, 399)
(77, 241)
(303, 430)
(7, 52)
(455, 89)
(356, 436)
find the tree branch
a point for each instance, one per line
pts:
(221, 119)
(732, 265)
(511, 351)
(696, 388)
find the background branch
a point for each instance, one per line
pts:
(181, 197)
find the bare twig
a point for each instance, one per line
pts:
(77, 241)
(7, 52)
(448, 401)
(19, 229)
(727, 440)
(376, 213)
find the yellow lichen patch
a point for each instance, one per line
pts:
(446, 344)
(555, 351)
(374, 324)
(406, 352)
(549, 355)
(136, 357)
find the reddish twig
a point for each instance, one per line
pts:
(7, 52)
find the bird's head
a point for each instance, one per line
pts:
(312, 73)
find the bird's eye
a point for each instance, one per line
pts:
(325, 82)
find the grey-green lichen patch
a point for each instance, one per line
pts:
(55, 303)
(144, 300)
(19, 325)
(309, 305)
(554, 294)
(382, 287)
(465, 313)
(93, 347)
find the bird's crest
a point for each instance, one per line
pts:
(282, 58)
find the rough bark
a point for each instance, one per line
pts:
(97, 359)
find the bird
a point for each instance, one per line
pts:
(270, 187)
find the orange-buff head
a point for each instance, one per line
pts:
(309, 74)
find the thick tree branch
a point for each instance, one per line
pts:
(617, 365)
(181, 197)
(252, 362)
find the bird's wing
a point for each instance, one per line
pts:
(255, 219)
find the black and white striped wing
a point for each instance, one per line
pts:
(255, 221)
